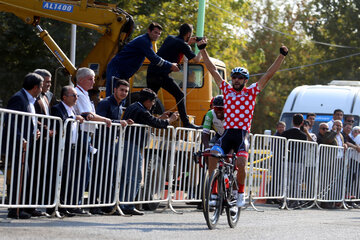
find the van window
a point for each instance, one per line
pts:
(195, 77)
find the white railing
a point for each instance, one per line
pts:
(69, 167)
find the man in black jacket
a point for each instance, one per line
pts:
(64, 110)
(295, 166)
(135, 137)
(23, 135)
(173, 50)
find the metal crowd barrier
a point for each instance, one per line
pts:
(151, 168)
(188, 178)
(352, 190)
(91, 158)
(267, 167)
(301, 170)
(89, 165)
(30, 159)
(332, 174)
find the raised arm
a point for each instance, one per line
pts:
(209, 65)
(273, 68)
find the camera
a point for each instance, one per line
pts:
(198, 39)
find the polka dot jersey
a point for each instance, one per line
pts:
(239, 106)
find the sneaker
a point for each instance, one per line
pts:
(213, 200)
(240, 202)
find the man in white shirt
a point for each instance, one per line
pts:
(85, 79)
(338, 115)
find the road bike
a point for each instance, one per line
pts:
(223, 184)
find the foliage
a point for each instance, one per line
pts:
(336, 22)
(233, 35)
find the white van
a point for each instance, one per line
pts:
(323, 100)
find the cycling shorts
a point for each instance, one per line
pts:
(236, 140)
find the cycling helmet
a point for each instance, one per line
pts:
(218, 101)
(240, 70)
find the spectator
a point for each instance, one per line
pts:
(84, 107)
(131, 173)
(214, 120)
(355, 135)
(295, 166)
(294, 132)
(310, 117)
(280, 128)
(22, 101)
(111, 107)
(64, 110)
(349, 119)
(325, 136)
(305, 128)
(172, 50)
(339, 140)
(347, 139)
(46, 97)
(42, 106)
(131, 57)
(338, 115)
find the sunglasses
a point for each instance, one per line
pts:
(352, 121)
(238, 76)
(324, 128)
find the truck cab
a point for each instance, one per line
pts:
(201, 87)
(323, 100)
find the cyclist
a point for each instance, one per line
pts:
(239, 103)
(214, 119)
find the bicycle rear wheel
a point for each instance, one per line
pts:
(212, 213)
(232, 211)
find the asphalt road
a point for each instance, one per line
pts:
(270, 224)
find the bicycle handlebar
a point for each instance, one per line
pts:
(200, 154)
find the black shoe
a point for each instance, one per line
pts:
(193, 126)
(22, 214)
(354, 205)
(36, 213)
(50, 211)
(96, 211)
(79, 211)
(65, 213)
(133, 212)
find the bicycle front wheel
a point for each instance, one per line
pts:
(213, 206)
(232, 211)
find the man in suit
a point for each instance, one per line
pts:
(45, 100)
(64, 110)
(44, 165)
(295, 166)
(24, 134)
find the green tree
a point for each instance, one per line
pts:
(336, 22)
(263, 48)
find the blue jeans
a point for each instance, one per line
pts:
(130, 178)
